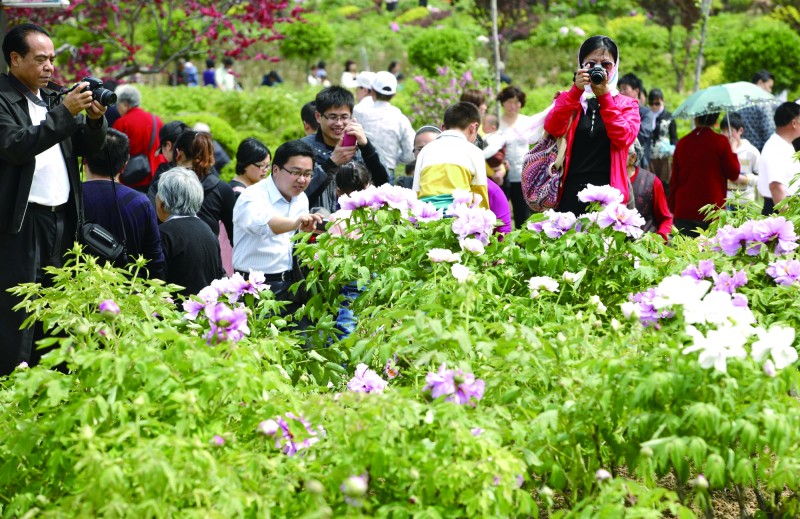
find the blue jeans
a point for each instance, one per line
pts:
(346, 320)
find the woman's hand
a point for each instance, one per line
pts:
(602, 88)
(582, 78)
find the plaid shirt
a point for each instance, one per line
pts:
(758, 124)
(389, 131)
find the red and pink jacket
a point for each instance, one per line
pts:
(621, 118)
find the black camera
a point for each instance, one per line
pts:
(597, 74)
(102, 95)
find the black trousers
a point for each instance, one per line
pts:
(689, 227)
(769, 207)
(44, 238)
(518, 204)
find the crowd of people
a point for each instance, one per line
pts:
(193, 227)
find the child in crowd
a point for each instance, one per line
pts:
(732, 126)
(494, 150)
(350, 177)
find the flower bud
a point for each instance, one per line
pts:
(646, 452)
(354, 486)
(315, 487)
(700, 482)
(602, 475)
(769, 368)
(268, 427)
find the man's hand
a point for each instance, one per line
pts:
(77, 100)
(95, 110)
(308, 222)
(342, 154)
(357, 131)
(778, 191)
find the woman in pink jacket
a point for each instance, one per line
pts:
(599, 122)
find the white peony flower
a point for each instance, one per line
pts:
(677, 290)
(472, 245)
(460, 272)
(777, 342)
(537, 283)
(443, 255)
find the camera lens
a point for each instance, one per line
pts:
(105, 96)
(597, 75)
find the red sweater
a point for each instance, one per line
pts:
(138, 126)
(701, 166)
(621, 118)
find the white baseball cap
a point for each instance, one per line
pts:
(385, 83)
(365, 78)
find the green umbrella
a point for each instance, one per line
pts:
(729, 97)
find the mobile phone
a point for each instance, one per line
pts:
(348, 140)
(321, 226)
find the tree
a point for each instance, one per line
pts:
(126, 37)
(307, 41)
(515, 19)
(672, 14)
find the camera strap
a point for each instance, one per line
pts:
(22, 89)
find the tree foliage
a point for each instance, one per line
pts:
(307, 40)
(767, 46)
(126, 37)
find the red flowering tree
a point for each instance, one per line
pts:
(119, 38)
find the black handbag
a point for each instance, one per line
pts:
(97, 240)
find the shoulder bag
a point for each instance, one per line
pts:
(138, 168)
(543, 171)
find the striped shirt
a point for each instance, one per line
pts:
(450, 162)
(255, 245)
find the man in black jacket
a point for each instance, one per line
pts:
(40, 139)
(334, 107)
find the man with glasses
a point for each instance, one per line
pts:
(269, 213)
(334, 113)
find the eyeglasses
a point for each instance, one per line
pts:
(299, 173)
(605, 64)
(335, 117)
(261, 165)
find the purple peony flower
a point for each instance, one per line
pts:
(726, 283)
(421, 212)
(622, 219)
(704, 269)
(604, 195)
(472, 222)
(647, 313)
(558, 223)
(227, 324)
(108, 308)
(390, 369)
(730, 240)
(739, 300)
(366, 381)
(780, 230)
(286, 441)
(459, 387)
(217, 440)
(784, 272)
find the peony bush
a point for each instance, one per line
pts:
(572, 368)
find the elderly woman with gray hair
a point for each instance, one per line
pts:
(191, 249)
(648, 191)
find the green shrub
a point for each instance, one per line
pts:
(442, 47)
(413, 14)
(769, 45)
(348, 10)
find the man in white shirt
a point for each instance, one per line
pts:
(777, 166)
(269, 213)
(385, 125)
(40, 134)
